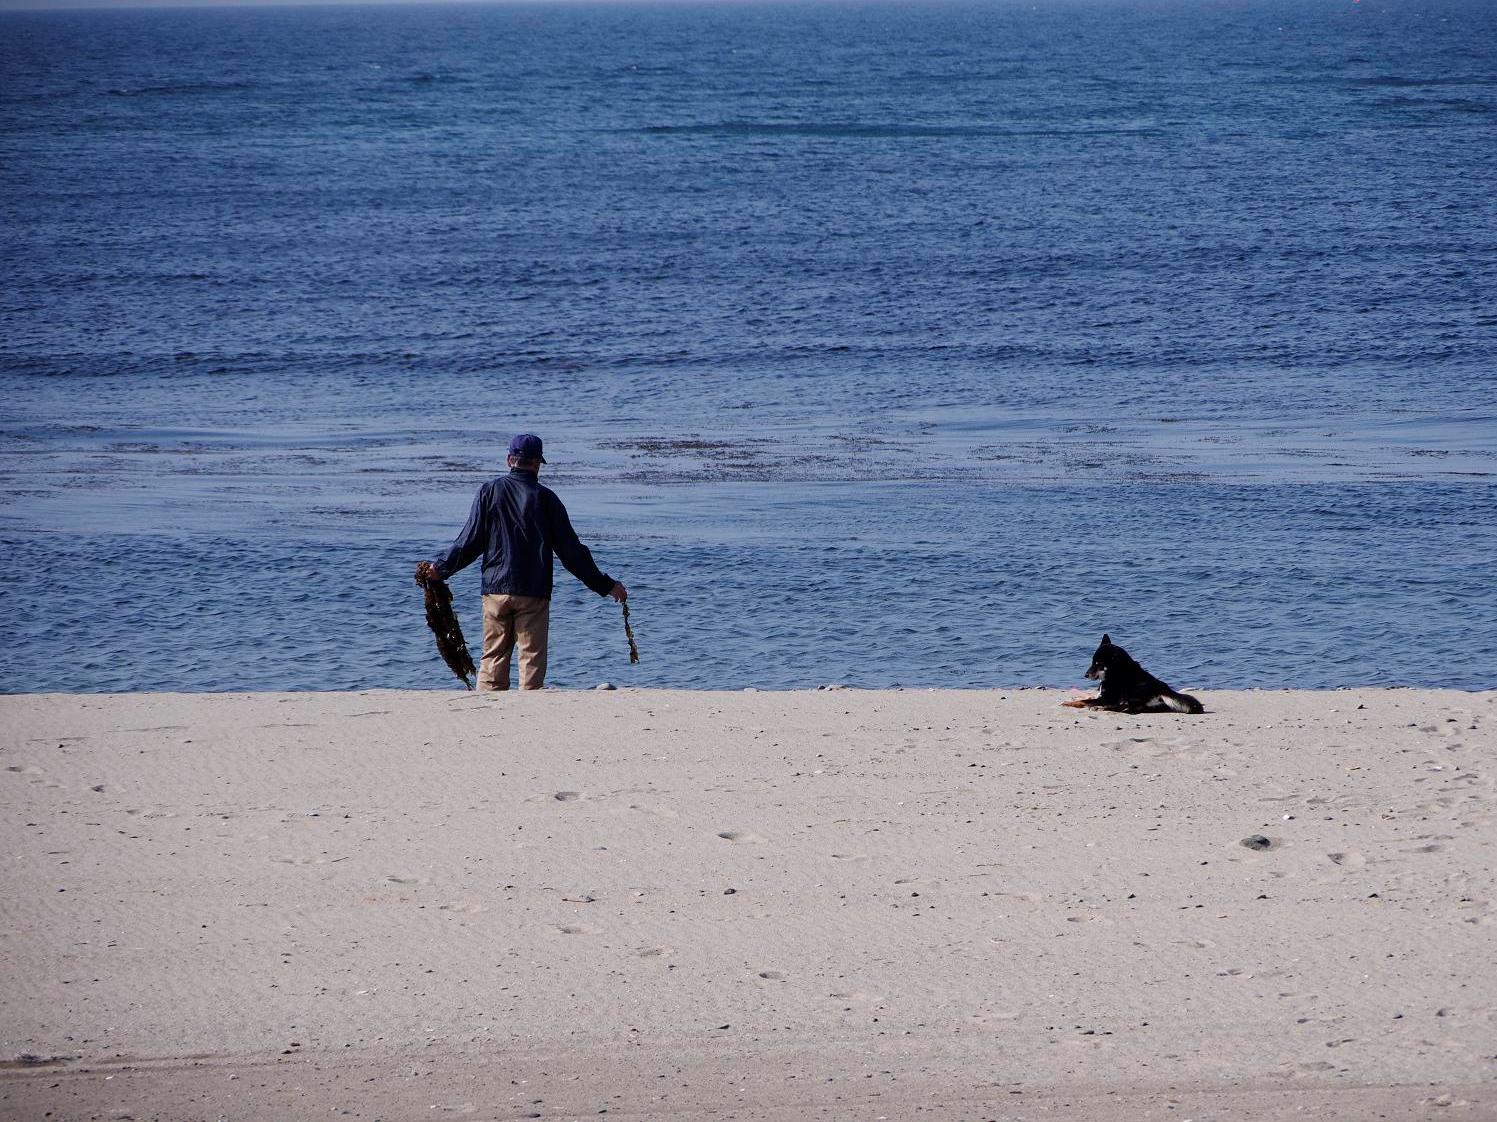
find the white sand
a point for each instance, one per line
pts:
(841, 905)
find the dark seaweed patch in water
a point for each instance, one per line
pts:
(688, 445)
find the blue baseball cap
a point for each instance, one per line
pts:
(526, 446)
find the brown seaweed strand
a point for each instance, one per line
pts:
(444, 625)
(629, 634)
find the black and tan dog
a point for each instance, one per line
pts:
(1126, 687)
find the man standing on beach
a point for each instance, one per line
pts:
(517, 525)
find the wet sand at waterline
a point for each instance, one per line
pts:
(839, 904)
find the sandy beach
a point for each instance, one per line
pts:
(834, 905)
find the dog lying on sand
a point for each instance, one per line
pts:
(1126, 687)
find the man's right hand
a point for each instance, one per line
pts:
(619, 592)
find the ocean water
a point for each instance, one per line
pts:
(875, 345)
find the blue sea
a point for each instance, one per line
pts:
(875, 345)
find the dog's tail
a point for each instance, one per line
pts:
(1182, 702)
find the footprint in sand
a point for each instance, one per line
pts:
(405, 878)
(772, 975)
(653, 952)
(1352, 860)
(572, 929)
(849, 857)
(556, 797)
(1482, 910)
(858, 997)
(747, 837)
(1157, 748)
(654, 811)
(1439, 803)
(36, 774)
(462, 906)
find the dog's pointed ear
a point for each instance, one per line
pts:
(1106, 640)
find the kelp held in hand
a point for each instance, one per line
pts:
(443, 623)
(629, 634)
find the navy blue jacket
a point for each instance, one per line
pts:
(516, 524)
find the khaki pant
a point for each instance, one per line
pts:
(508, 620)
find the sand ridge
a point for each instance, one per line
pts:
(763, 905)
